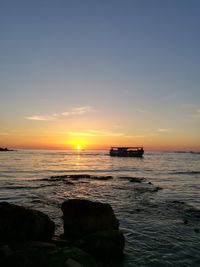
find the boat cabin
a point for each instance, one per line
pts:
(126, 151)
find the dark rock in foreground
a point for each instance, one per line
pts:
(93, 227)
(45, 254)
(104, 245)
(21, 224)
(83, 217)
(92, 238)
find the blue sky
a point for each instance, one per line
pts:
(132, 67)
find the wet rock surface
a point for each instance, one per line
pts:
(29, 245)
(82, 217)
(79, 176)
(20, 223)
(104, 244)
(35, 255)
(136, 180)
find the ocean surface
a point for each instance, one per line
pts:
(159, 215)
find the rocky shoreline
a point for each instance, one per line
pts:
(91, 236)
(5, 149)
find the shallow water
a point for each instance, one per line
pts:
(161, 226)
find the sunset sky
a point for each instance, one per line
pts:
(97, 73)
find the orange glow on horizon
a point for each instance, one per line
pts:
(53, 140)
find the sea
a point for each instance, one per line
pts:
(159, 213)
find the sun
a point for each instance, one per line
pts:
(78, 147)
(78, 144)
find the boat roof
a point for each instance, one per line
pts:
(127, 147)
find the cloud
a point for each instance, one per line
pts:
(100, 133)
(71, 112)
(134, 136)
(79, 111)
(39, 118)
(95, 133)
(163, 130)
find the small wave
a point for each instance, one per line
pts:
(185, 172)
(89, 154)
(77, 177)
(13, 187)
(76, 153)
(184, 152)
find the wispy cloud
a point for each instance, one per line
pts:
(134, 136)
(71, 112)
(78, 111)
(40, 118)
(95, 133)
(163, 130)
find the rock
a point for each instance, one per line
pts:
(5, 149)
(104, 245)
(23, 224)
(144, 188)
(136, 180)
(138, 210)
(42, 245)
(157, 188)
(193, 213)
(70, 176)
(72, 255)
(61, 242)
(5, 251)
(79, 176)
(69, 183)
(103, 178)
(83, 217)
(72, 263)
(24, 254)
(178, 202)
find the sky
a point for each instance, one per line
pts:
(100, 73)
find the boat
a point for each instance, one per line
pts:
(126, 152)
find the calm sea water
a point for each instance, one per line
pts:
(161, 227)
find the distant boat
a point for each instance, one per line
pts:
(126, 152)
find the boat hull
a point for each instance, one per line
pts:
(136, 154)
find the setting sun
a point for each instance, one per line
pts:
(78, 147)
(78, 143)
